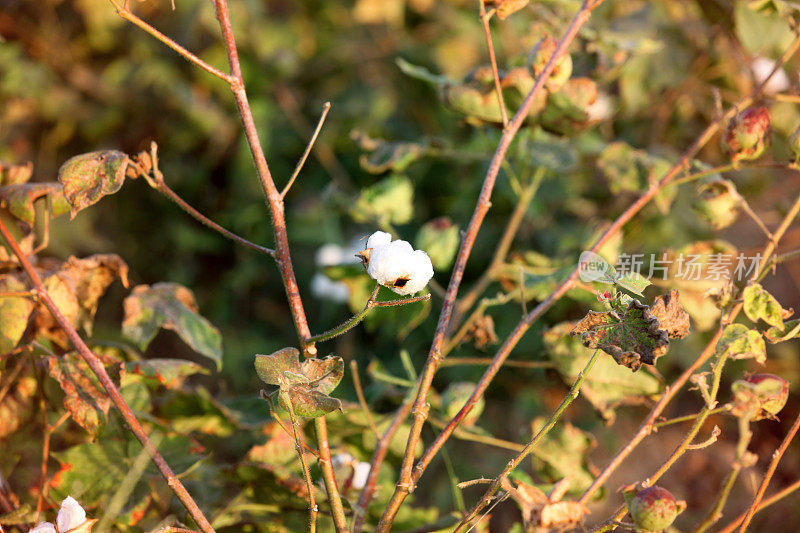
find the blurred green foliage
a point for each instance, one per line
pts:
(409, 92)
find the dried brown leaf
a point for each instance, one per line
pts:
(671, 314)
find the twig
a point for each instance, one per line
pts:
(44, 488)
(776, 458)
(312, 504)
(405, 483)
(354, 320)
(381, 448)
(361, 399)
(325, 108)
(165, 189)
(126, 14)
(763, 505)
(490, 44)
(99, 370)
(489, 495)
(741, 451)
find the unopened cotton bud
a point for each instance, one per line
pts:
(747, 134)
(654, 509)
(759, 395)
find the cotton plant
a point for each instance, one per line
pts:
(71, 518)
(396, 265)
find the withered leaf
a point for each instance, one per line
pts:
(20, 199)
(88, 177)
(85, 400)
(671, 314)
(14, 313)
(632, 339)
(76, 286)
(562, 513)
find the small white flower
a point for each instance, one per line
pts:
(43, 527)
(396, 265)
(71, 515)
(761, 67)
(360, 475)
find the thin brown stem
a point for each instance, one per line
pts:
(773, 465)
(105, 380)
(490, 45)
(164, 189)
(381, 449)
(405, 483)
(361, 399)
(781, 494)
(325, 108)
(126, 14)
(312, 503)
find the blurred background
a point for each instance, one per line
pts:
(75, 77)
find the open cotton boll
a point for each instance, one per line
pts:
(71, 514)
(379, 238)
(761, 67)
(399, 267)
(43, 527)
(360, 475)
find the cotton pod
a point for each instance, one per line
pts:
(396, 265)
(43, 527)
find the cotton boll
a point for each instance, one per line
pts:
(360, 475)
(761, 67)
(329, 255)
(71, 515)
(341, 459)
(379, 238)
(325, 288)
(43, 527)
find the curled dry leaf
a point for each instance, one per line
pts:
(632, 339)
(671, 315)
(546, 511)
(88, 177)
(76, 287)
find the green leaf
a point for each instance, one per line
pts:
(760, 304)
(455, 396)
(20, 199)
(563, 454)
(633, 282)
(14, 313)
(761, 32)
(790, 330)
(309, 402)
(171, 373)
(85, 399)
(608, 384)
(631, 339)
(552, 152)
(440, 239)
(88, 177)
(388, 201)
(170, 306)
(89, 472)
(271, 368)
(742, 343)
